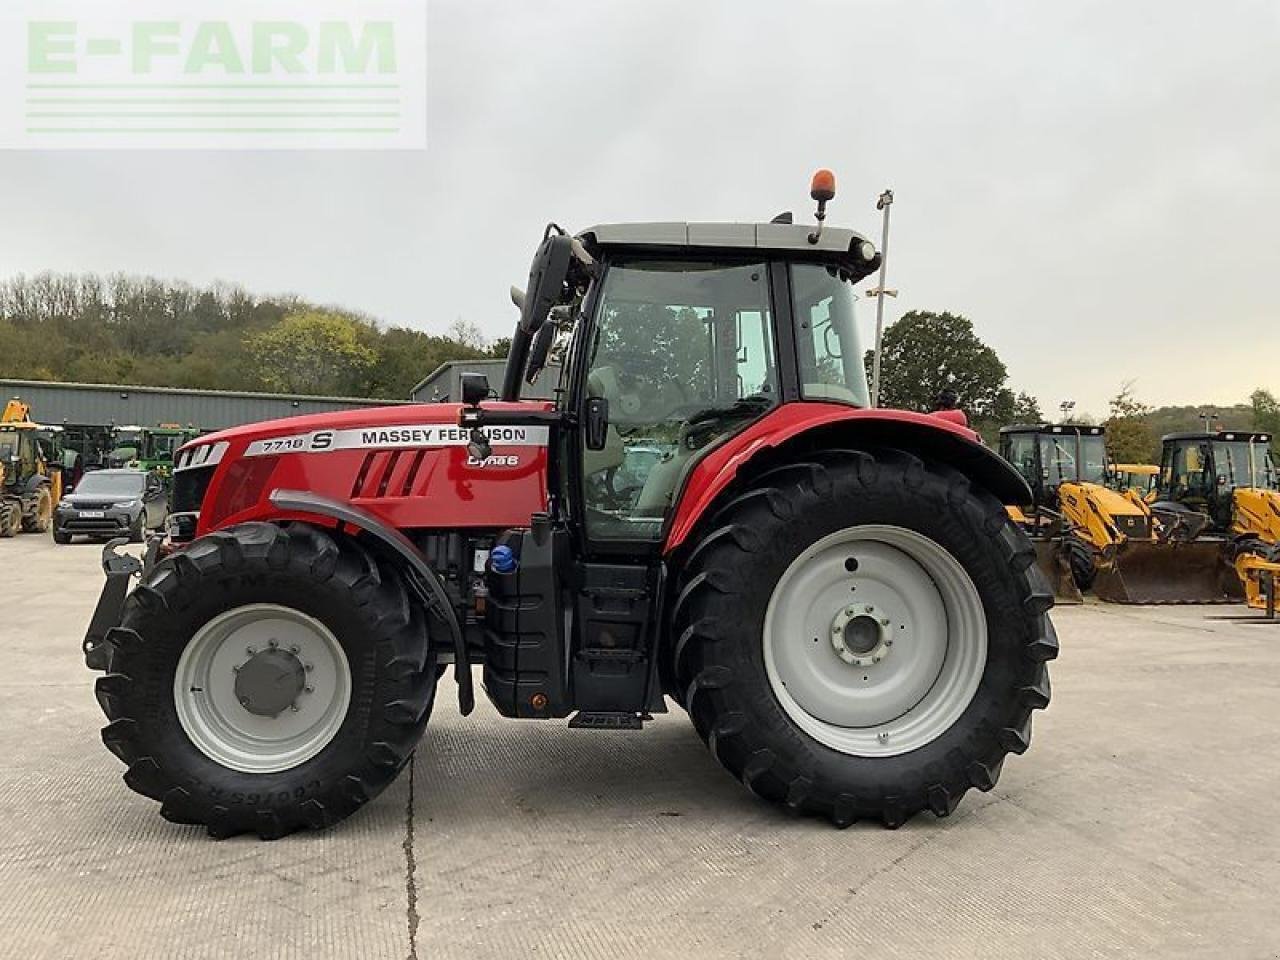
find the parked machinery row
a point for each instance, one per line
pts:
(72, 479)
(1202, 527)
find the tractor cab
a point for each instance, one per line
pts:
(150, 448)
(1208, 472)
(1051, 454)
(674, 336)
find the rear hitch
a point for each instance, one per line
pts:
(119, 568)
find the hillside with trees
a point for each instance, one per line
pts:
(141, 330)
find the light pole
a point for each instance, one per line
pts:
(1065, 408)
(884, 203)
(1208, 419)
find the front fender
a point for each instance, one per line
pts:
(826, 425)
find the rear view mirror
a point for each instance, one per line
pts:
(547, 275)
(475, 388)
(596, 423)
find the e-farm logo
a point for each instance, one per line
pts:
(214, 74)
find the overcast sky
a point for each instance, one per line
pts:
(1095, 184)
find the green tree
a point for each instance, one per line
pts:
(1266, 415)
(926, 352)
(1130, 438)
(312, 352)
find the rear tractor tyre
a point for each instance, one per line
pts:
(38, 515)
(1084, 566)
(265, 679)
(863, 636)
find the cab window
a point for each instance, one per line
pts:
(830, 353)
(684, 354)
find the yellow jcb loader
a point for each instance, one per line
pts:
(1135, 480)
(1078, 525)
(1221, 490)
(30, 486)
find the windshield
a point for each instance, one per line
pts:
(1060, 452)
(111, 484)
(1244, 464)
(162, 446)
(830, 354)
(8, 445)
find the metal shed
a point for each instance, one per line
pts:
(110, 404)
(443, 384)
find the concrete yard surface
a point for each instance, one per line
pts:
(1142, 823)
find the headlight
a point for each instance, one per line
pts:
(126, 504)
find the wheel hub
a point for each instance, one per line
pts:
(262, 688)
(269, 682)
(860, 636)
(874, 640)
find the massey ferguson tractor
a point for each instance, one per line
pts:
(834, 593)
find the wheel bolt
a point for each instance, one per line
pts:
(295, 648)
(273, 643)
(308, 689)
(244, 702)
(882, 736)
(308, 667)
(250, 650)
(293, 707)
(884, 622)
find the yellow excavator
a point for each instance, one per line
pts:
(30, 486)
(1135, 480)
(1078, 524)
(1222, 490)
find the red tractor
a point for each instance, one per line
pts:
(710, 511)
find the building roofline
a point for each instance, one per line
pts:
(188, 391)
(440, 370)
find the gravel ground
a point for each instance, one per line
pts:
(1140, 824)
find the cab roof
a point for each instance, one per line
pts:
(1225, 435)
(791, 239)
(1084, 429)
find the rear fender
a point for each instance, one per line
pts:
(819, 426)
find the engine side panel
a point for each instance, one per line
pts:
(408, 466)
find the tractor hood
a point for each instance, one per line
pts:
(407, 464)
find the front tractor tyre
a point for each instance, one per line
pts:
(267, 678)
(863, 635)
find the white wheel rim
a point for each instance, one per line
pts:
(880, 659)
(218, 723)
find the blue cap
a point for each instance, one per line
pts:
(503, 560)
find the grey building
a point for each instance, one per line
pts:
(108, 404)
(443, 384)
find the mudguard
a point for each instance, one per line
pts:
(833, 425)
(423, 581)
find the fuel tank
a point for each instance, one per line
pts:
(408, 465)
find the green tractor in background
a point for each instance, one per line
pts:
(150, 448)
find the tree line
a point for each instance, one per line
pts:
(926, 352)
(142, 330)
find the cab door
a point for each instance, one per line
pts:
(682, 354)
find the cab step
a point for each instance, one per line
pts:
(600, 720)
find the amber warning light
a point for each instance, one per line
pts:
(822, 189)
